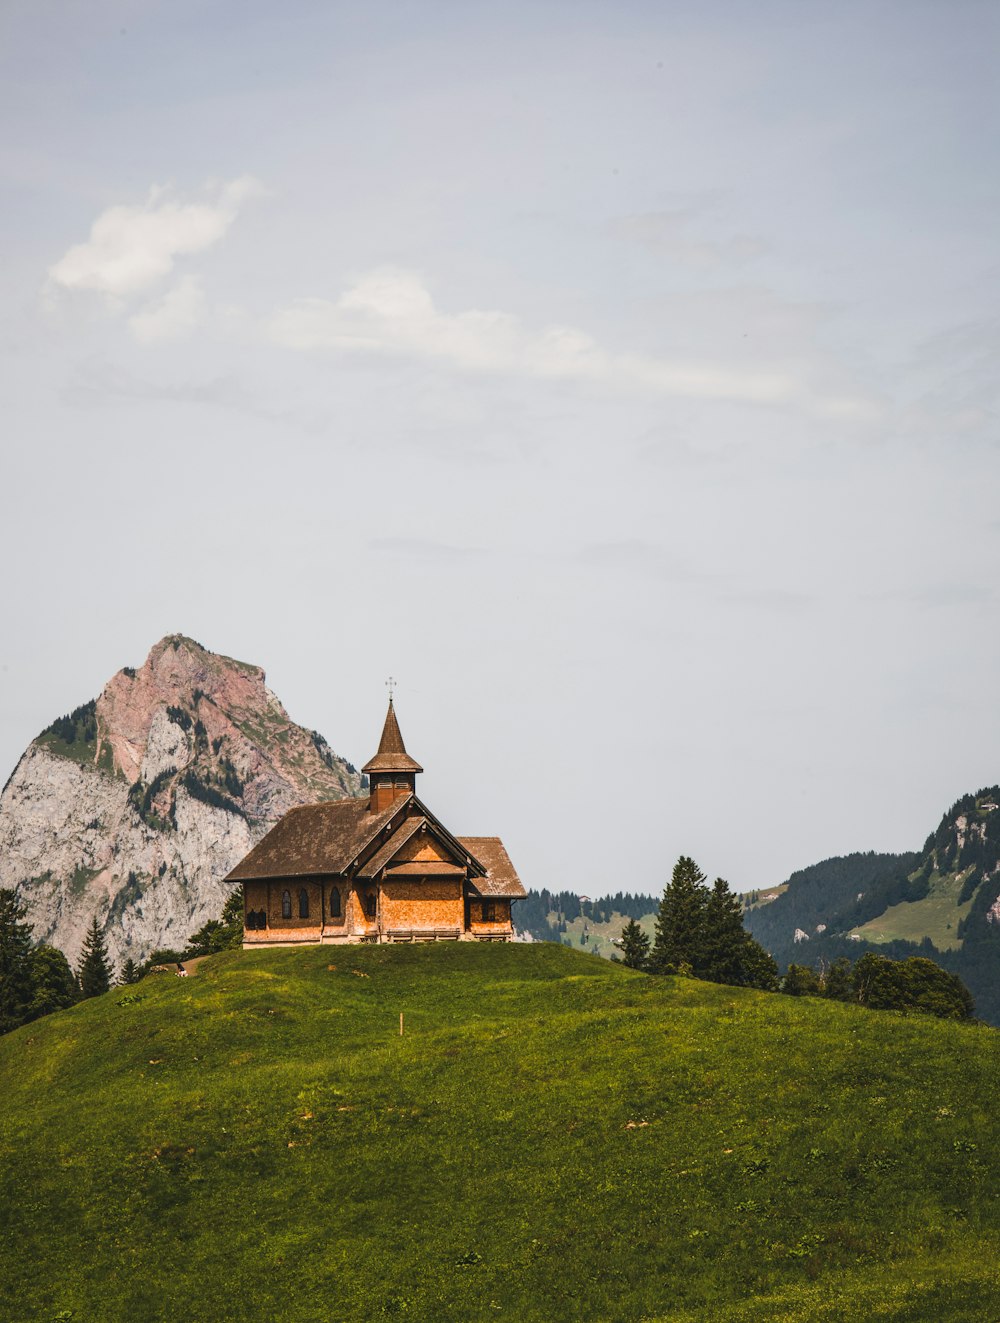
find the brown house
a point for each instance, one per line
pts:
(377, 870)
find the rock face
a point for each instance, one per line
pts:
(136, 805)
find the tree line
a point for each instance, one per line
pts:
(36, 980)
(534, 911)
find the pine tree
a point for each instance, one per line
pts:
(725, 936)
(130, 972)
(16, 983)
(634, 946)
(95, 971)
(680, 923)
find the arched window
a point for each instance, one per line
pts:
(251, 919)
(303, 904)
(370, 905)
(334, 903)
(286, 905)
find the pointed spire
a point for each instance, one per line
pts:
(392, 755)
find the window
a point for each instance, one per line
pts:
(370, 905)
(303, 904)
(335, 903)
(286, 905)
(489, 911)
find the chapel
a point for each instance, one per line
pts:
(381, 869)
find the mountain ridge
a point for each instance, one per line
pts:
(136, 804)
(942, 900)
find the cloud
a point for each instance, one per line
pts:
(133, 248)
(390, 311)
(179, 311)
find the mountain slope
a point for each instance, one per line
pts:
(944, 899)
(833, 895)
(552, 1138)
(135, 805)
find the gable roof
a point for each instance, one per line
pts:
(392, 755)
(409, 829)
(316, 838)
(501, 878)
(328, 838)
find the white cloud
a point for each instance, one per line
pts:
(390, 310)
(180, 310)
(132, 248)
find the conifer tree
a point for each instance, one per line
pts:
(634, 946)
(16, 984)
(680, 923)
(725, 936)
(130, 972)
(731, 954)
(95, 971)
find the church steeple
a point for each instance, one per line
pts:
(392, 772)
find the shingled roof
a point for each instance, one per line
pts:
(392, 755)
(316, 839)
(393, 845)
(500, 879)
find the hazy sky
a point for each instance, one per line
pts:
(621, 377)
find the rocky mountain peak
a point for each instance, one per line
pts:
(136, 804)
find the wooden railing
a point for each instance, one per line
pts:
(423, 934)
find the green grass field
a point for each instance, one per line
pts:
(601, 937)
(937, 916)
(553, 1138)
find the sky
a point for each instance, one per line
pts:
(619, 377)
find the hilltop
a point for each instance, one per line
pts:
(136, 804)
(553, 1138)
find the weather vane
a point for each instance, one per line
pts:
(390, 684)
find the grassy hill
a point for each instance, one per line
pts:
(554, 1137)
(938, 915)
(599, 938)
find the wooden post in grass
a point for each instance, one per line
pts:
(401, 1024)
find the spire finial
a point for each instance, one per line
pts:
(390, 684)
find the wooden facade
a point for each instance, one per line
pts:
(383, 869)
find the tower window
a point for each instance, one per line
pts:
(286, 905)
